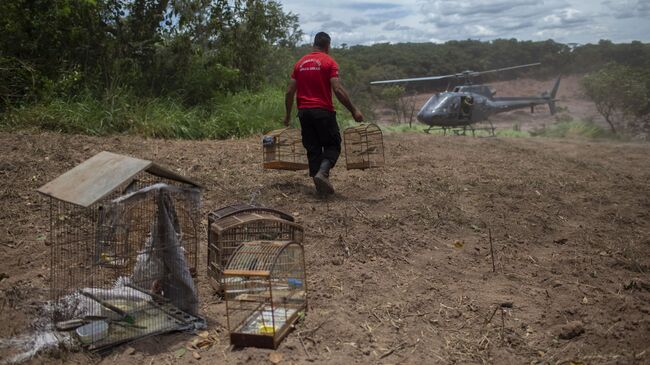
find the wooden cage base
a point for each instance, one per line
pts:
(362, 165)
(285, 165)
(239, 339)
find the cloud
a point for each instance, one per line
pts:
(364, 6)
(383, 17)
(628, 9)
(479, 31)
(438, 9)
(482, 7)
(337, 26)
(392, 26)
(486, 13)
(565, 18)
(315, 17)
(489, 19)
(515, 25)
(360, 21)
(371, 21)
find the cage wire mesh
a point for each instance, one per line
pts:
(282, 149)
(122, 267)
(265, 292)
(364, 147)
(231, 226)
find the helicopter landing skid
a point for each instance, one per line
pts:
(462, 131)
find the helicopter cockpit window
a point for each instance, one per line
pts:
(466, 105)
(431, 104)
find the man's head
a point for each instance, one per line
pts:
(322, 41)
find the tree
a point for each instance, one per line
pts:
(391, 95)
(620, 94)
(408, 105)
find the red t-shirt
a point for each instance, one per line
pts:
(312, 74)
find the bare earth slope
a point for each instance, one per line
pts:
(570, 223)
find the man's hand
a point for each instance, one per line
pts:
(286, 121)
(358, 117)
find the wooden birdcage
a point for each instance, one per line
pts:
(282, 149)
(364, 147)
(123, 243)
(231, 226)
(265, 292)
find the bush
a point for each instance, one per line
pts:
(621, 95)
(572, 129)
(234, 115)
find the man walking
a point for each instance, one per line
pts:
(313, 79)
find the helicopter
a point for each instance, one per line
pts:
(469, 103)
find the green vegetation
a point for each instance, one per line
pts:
(216, 69)
(155, 117)
(573, 129)
(622, 96)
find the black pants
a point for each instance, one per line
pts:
(320, 136)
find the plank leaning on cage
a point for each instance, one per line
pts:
(313, 79)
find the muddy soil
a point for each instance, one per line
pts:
(569, 222)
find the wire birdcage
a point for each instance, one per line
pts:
(364, 147)
(265, 292)
(282, 149)
(124, 244)
(231, 226)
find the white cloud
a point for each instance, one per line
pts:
(565, 18)
(394, 26)
(372, 21)
(623, 9)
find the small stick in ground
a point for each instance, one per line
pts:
(503, 321)
(494, 268)
(389, 352)
(346, 249)
(493, 313)
(311, 332)
(304, 347)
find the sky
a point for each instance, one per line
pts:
(566, 21)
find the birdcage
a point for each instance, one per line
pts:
(123, 243)
(231, 226)
(283, 150)
(364, 147)
(265, 292)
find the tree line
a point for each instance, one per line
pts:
(190, 49)
(206, 56)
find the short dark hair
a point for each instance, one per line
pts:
(322, 40)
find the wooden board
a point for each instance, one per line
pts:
(284, 165)
(363, 165)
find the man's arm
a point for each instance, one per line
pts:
(288, 101)
(344, 98)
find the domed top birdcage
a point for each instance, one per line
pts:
(231, 226)
(265, 291)
(364, 147)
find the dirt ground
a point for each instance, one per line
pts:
(569, 220)
(571, 103)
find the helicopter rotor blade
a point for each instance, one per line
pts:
(477, 73)
(458, 75)
(412, 79)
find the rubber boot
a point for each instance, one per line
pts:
(321, 180)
